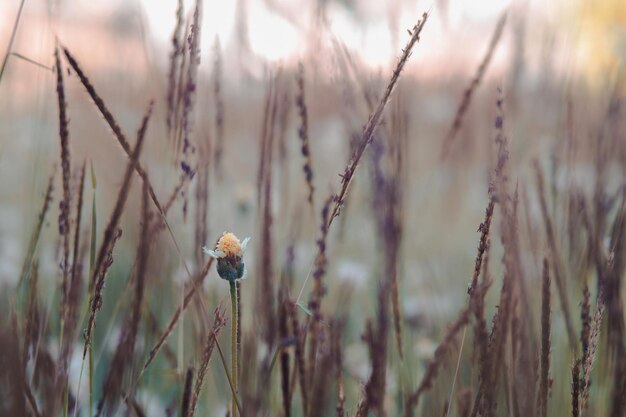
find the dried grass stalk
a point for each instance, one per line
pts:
(219, 109)
(585, 317)
(434, 365)
(396, 212)
(195, 285)
(177, 51)
(187, 392)
(189, 93)
(616, 333)
(377, 342)
(284, 340)
(337, 330)
(202, 200)
(544, 384)
(112, 233)
(12, 379)
(34, 239)
(388, 206)
(153, 328)
(32, 325)
(115, 127)
(70, 319)
(79, 208)
(592, 344)
(615, 269)
(483, 244)
(315, 301)
(64, 206)
(267, 274)
(218, 324)
(265, 303)
(180, 93)
(323, 380)
(123, 356)
(267, 134)
(469, 91)
(32, 402)
(284, 112)
(557, 263)
(299, 354)
(491, 370)
(374, 119)
(303, 133)
(576, 385)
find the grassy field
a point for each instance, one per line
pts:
(426, 238)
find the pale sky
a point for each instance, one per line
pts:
(278, 29)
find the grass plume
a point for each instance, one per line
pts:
(112, 233)
(303, 133)
(374, 119)
(544, 385)
(557, 263)
(469, 91)
(218, 323)
(64, 206)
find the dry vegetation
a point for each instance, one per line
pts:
(131, 319)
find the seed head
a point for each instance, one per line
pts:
(229, 254)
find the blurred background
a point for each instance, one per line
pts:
(560, 65)
(548, 55)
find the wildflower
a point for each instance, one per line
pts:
(229, 254)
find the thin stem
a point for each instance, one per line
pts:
(90, 380)
(233, 349)
(230, 382)
(456, 372)
(13, 33)
(239, 313)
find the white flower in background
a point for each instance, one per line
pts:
(352, 273)
(76, 362)
(151, 404)
(10, 256)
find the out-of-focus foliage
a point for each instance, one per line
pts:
(603, 37)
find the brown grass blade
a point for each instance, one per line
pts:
(315, 300)
(123, 356)
(576, 385)
(218, 324)
(283, 335)
(115, 127)
(587, 365)
(299, 364)
(544, 386)
(13, 378)
(303, 133)
(557, 263)
(469, 91)
(196, 284)
(374, 119)
(64, 206)
(219, 109)
(112, 233)
(75, 289)
(184, 408)
(434, 365)
(34, 240)
(177, 51)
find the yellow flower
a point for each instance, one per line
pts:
(229, 253)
